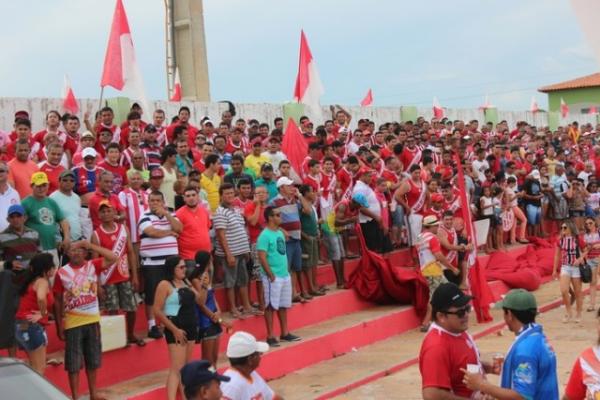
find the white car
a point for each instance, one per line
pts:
(19, 381)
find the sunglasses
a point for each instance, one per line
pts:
(461, 312)
(68, 180)
(3, 170)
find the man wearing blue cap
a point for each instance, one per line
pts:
(18, 243)
(200, 383)
(529, 370)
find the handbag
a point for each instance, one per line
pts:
(584, 270)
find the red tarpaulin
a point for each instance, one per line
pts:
(378, 281)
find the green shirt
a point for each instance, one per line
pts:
(273, 244)
(43, 216)
(271, 187)
(309, 223)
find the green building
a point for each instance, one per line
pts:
(579, 94)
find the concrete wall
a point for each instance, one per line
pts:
(38, 107)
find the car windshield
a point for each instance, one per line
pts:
(17, 381)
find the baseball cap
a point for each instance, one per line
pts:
(157, 173)
(518, 300)
(15, 209)
(198, 373)
(256, 141)
(242, 344)
(449, 295)
(89, 152)
(104, 203)
(361, 199)
(284, 180)
(266, 166)
(430, 220)
(535, 174)
(87, 134)
(363, 170)
(39, 179)
(65, 173)
(22, 114)
(208, 122)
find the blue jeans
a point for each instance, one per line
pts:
(534, 214)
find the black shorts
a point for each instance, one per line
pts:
(83, 343)
(191, 330)
(152, 277)
(373, 235)
(456, 279)
(212, 332)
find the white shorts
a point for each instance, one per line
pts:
(278, 294)
(570, 271)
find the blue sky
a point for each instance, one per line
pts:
(406, 51)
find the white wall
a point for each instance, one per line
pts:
(38, 107)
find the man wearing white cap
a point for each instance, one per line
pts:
(244, 354)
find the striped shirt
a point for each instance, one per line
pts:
(154, 251)
(232, 221)
(152, 153)
(13, 245)
(290, 215)
(568, 247)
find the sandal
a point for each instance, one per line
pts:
(253, 312)
(298, 299)
(317, 293)
(137, 341)
(54, 361)
(591, 308)
(566, 319)
(306, 296)
(424, 328)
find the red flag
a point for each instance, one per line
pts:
(69, 102)
(564, 108)
(308, 87)
(294, 146)
(176, 96)
(121, 70)
(368, 100)
(593, 110)
(482, 294)
(438, 111)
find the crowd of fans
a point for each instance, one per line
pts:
(159, 212)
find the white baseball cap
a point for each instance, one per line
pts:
(89, 152)
(284, 180)
(242, 344)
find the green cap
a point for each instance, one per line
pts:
(518, 300)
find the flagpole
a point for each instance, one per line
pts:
(101, 96)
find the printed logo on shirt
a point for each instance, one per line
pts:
(281, 246)
(524, 373)
(46, 216)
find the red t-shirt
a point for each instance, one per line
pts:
(119, 175)
(442, 357)
(194, 236)
(254, 230)
(95, 200)
(53, 173)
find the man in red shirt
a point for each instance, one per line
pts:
(104, 192)
(196, 224)
(52, 166)
(447, 347)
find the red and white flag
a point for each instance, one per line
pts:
(438, 111)
(121, 70)
(176, 95)
(368, 99)
(294, 146)
(564, 108)
(69, 102)
(309, 88)
(534, 105)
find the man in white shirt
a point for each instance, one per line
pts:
(244, 354)
(8, 195)
(274, 154)
(370, 213)
(480, 165)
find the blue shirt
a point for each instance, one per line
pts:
(530, 366)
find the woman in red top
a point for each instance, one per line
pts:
(35, 300)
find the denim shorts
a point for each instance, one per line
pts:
(570, 271)
(534, 214)
(294, 255)
(30, 336)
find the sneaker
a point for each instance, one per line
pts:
(290, 338)
(272, 342)
(155, 333)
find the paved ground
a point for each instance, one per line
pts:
(568, 341)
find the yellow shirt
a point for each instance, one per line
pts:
(211, 187)
(255, 162)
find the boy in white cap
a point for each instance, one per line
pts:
(244, 354)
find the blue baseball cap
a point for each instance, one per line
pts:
(361, 199)
(198, 373)
(15, 209)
